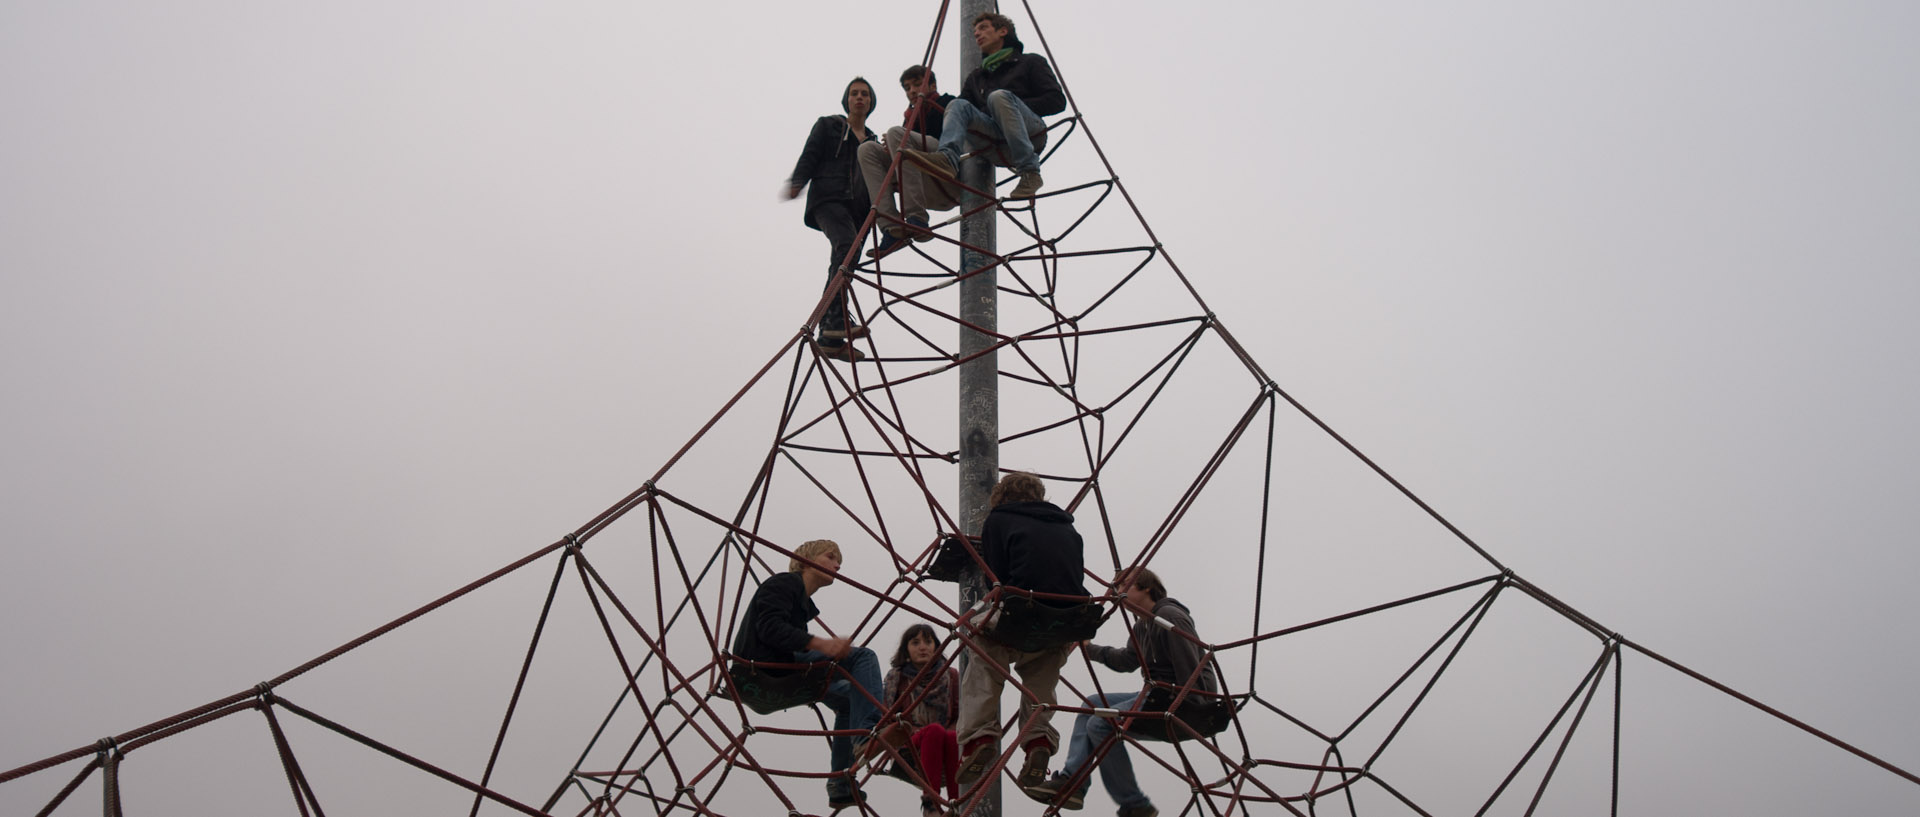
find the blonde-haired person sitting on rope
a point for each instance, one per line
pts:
(774, 629)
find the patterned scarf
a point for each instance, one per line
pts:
(993, 61)
(909, 681)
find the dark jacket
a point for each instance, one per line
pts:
(1033, 546)
(1168, 658)
(932, 118)
(829, 166)
(775, 626)
(1027, 75)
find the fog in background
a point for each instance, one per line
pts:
(313, 313)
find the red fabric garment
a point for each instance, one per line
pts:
(939, 750)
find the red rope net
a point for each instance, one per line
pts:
(1342, 657)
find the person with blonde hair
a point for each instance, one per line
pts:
(774, 629)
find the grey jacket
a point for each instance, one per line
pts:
(1167, 657)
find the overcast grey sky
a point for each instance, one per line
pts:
(314, 312)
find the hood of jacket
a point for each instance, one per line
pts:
(1042, 510)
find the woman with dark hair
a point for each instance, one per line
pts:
(829, 170)
(922, 680)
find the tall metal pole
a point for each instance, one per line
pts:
(979, 378)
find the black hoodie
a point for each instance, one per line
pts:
(1033, 546)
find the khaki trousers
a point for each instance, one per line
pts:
(918, 191)
(981, 683)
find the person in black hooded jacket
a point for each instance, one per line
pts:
(829, 170)
(1005, 98)
(1028, 543)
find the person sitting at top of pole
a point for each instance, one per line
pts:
(917, 193)
(1027, 543)
(1006, 96)
(836, 203)
(774, 629)
(1171, 655)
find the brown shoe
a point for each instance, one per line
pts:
(852, 332)
(974, 763)
(1030, 183)
(844, 351)
(1035, 771)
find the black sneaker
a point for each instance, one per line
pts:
(894, 238)
(889, 244)
(918, 229)
(1054, 789)
(1139, 811)
(842, 793)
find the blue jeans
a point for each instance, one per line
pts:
(1116, 769)
(851, 708)
(1006, 117)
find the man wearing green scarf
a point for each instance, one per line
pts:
(1000, 105)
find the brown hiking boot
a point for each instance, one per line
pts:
(1030, 183)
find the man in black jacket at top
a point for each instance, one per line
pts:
(1005, 97)
(1028, 543)
(917, 192)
